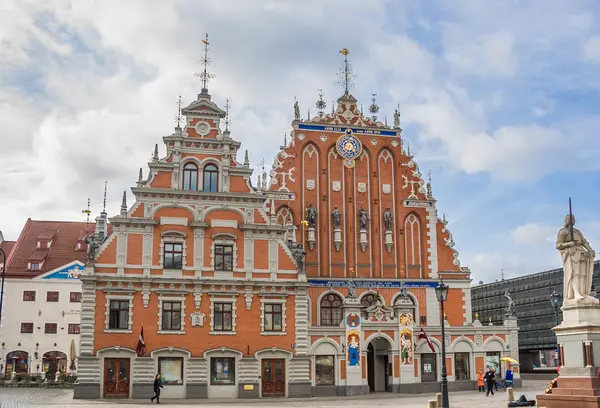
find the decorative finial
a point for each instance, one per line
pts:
(308, 119)
(476, 316)
(374, 108)
(104, 202)
(264, 173)
(408, 148)
(397, 117)
(140, 177)
(445, 316)
(205, 76)
(155, 155)
(361, 110)
(87, 211)
(385, 121)
(178, 116)
(259, 184)
(124, 205)
(284, 145)
(227, 120)
(246, 160)
(321, 104)
(345, 76)
(333, 107)
(429, 193)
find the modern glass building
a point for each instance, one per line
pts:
(535, 313)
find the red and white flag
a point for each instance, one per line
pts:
(423, 335)
(141, 346)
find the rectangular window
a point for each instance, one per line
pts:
(324, 370)
(34, 266)
(75, 297)
(492, 361)
(74, 328)
(222, 317)
(461, 366)
(51, 296)
(171, 316)
(26, 327)
(119, 315)
(50, 328)
(223, 258)
(273, 317)
(173, 256)
(171, 370)
(29, 296)
(222, 371)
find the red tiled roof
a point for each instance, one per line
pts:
(7, 247)
(47, 235)
(61, 252)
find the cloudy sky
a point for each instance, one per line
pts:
(500, 101)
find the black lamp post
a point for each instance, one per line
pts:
(556, 301)
(3, 272)
(441, 292)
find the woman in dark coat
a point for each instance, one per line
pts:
(489, 380)
(157, 387)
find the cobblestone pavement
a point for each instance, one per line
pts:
(45, 398)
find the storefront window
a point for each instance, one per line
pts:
(461, 366)
(324, 370)
(492, 361)
(171, 370)
(222, 370)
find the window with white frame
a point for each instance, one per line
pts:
(273, 316)
(171, 314)
(223, 315)
(224, 253)
(118, 313)
(173, 250)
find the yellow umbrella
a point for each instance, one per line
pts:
(509, 360)
(73, 355)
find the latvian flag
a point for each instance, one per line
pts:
(423, 335)
(141, 346)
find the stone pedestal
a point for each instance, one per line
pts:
(388, 241)
(578, 336)
(337, 238)
(311, 238)
(363, 240)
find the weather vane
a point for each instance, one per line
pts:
(321, 104)
(178, 116)
(227, 120)
(87, 211)
(374, 108)
(345, 75)
(205, 76)
(104, 203)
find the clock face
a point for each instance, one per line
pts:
(202, 128)
(348, 146)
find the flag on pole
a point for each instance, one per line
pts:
(423, 335)
(141, 346)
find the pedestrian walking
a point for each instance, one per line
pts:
(489, 380)
(480, 382)
(157, 387)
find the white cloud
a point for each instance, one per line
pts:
(591, 49)
(532, 233)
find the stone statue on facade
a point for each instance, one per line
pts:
(387, 219)
(351, 290)
(396, 119)
(311, 216)
(296, 111)
(93, 246)
(335, 214)
(299, 255)
(510, 306)
(578, 261)
(363, 218)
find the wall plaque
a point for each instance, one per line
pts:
(310, 184)
(336, 185)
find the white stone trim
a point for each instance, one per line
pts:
(281, 302)
(172, 298)
(432, 306)
(224, 223)
(223, 299)
(318, 305)
(466, 298)
(110, 297)
(432, 250)
(223, 240)
(173, 221)
(173, 237)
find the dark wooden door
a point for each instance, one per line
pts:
(116, 377)
(273, 378)
(428, 367)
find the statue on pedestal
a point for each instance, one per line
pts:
(578, 261)
(336, 217)
(311, 216)
(363, 218)
(510, 306)
(387, 219)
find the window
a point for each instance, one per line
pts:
(273, 317)
(51, 296)
(171, 370)
(190, 177)
(210, 178)
(26, 327)
(34, 266)
(324, 370)
(173, 256)
(331, 310)
(171, 316)
(461, 366)
(223, 258)
(74, 328)
(368, 300)
(222, 317)
(222, 371)
(50, 328)
(119, 315)
(29, 296)
(75, 297)
(492, 361)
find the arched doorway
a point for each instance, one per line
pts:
(17, 362)
(379, 364)
(54, 361)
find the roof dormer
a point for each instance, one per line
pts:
(44, 240)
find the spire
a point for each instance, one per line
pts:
(155, 156)
(345, 75)
(227, 120)
(308, 119)
(361, 110)
(178, 115)
(284, 145)
(140, 181)
(104, 202)
(246, 161)
(333, 107)
(259, 184)
(264, 173)
(205, 76)
(385, 121)
(374, 108)
(321, 104)
(124, 205)
(87, 211)
(408, 149)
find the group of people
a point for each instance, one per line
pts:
(489, 380)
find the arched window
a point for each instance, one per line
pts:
(368, 300)
(211, 174)
(190, 177)
(412, 239)
(331, 310)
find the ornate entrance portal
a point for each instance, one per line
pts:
(379, 358)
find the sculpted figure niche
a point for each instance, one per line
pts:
(311, 215)
(578, 261)
(335, 214)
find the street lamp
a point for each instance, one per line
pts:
(556, 301)
(3, 272)
(441, 292)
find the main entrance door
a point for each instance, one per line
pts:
(116, 377)
(378, 370)
(273, 378)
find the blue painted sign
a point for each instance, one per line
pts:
(358, 131)
(371, 284)
(71, 272)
